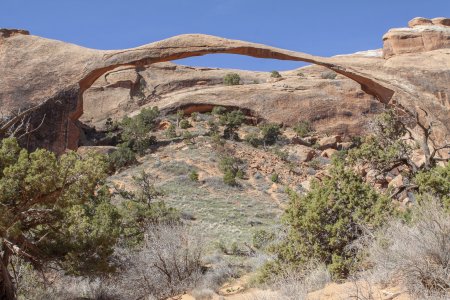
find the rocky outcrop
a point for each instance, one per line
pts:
(36, 70)
(331, 105)
(422, 35)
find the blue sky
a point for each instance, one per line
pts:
(318, 27)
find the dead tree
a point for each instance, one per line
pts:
(18, 124)
(427, 142)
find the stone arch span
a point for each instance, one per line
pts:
(38, 70)
(190, 45)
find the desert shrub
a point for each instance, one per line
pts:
(253, 139)
(229, 178)
(194, 116)
(217, 140)
(270, 133)
(230, 169)
(213, 127)
(295, 284)
(274, 177)
(282, 154)
(436, 182)
(168, 263)
(122, 157)
(327, 219)
(188, 137)
(218, 110)
(142, 208)
(184, 124)
(302, 128)
(136, 131)
(315, 163)
(262, 238)
(180, 116)
(328, 75)
(384, 147)
(232, 79)
(171, 132)
(300, 74)
(193, 175)
(275, 74)
(417, 252)
(232, 121)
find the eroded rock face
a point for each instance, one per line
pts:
(332, 105)
(421, 36)
(36, 70)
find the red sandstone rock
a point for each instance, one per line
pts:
(36, 70)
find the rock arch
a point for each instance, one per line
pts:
(40, 70)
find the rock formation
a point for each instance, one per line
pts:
(36, 70)
(422, 35)
(335, 105)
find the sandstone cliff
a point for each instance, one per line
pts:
(36, 70)
(333, 105)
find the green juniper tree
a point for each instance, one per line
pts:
(53, 212)
(232, 121)
(328, 218)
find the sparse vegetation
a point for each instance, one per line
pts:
(253, 139)
(194, 116)
(275, 74)
(230, 168)
(184, 124)
(418, 251)
(274, 178)
(328, 75)
(171, 132)
(218, 110)
(302, 129)
(122, 157)
(193, 175)
(232, 121)
(270, 133)
(232, 79)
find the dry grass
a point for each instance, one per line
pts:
(417, 254)
(294, 284)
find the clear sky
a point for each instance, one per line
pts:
(318, 27)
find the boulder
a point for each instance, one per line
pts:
(419, 21)
(328, 153)
(441, 21)
(329, 142)
(397, 181)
